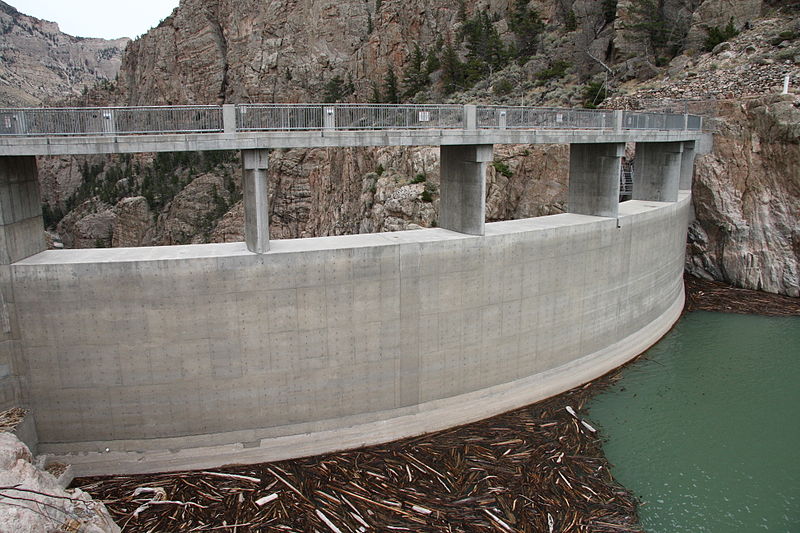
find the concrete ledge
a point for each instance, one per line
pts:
(110, 144)
(430, 416)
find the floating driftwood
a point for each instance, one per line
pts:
(535, 469)
(704, 295)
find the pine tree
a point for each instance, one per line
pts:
(415, 76)
(662, 34)
(452, 70)
(333, 91)
(376, 98)
(526, 25)
(390, 90)
(485, 50)
(432, 63)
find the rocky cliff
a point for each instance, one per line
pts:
(39, 64)
(747, 198)
(35, 499)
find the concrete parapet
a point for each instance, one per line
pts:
(594, 173)
(658, 171)
(369, 337)
(462, 199)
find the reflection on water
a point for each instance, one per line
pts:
(705, 429)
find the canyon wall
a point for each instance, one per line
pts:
(41, 65)
(747, 198)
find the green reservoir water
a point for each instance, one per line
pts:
(705, 428)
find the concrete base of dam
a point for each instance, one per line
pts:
(391, 425)
(195, 356)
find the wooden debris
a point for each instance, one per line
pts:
(533, 470)
(11, 418)
(266, 499)
(703, 295)
(233, 476)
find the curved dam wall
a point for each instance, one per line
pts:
(372, 337)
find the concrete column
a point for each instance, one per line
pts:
(21, 236)
(329, 118)
(658, 171)
(619, 120)
(470, 117)
(687, 166)
(594, 171)
(229, 118)
(462, 205)
(256, 197)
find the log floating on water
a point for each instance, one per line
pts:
(532, 470)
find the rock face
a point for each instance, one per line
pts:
(89, 225)
(38, 502)
(133, 223)
(747, 198)
(189, 216)
(339, 192)
(214, 51)
(40, 64)
(717, 14)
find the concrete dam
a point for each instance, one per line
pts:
(154, 359)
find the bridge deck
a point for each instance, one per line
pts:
(84, 131)
(120, 144)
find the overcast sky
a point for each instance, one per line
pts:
(99, 18)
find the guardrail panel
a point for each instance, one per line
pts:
(279, 117)
(302, 117)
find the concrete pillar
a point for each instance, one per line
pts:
(462, 204)
(256, 196)
(687, 166)
(594, 171)
(658, 171)
(619, 120)
(229, 118)
(21, 236)
(329, 118)
(470, 117)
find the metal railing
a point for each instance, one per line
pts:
(305, 117)
(626, 180)
(544, 118)
(377, 116)
(279, 117)
(633, 120)
(111, 120)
